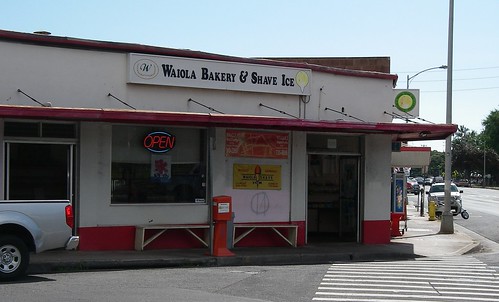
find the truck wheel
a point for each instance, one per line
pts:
(14, 257)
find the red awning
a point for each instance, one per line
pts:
(399, 132)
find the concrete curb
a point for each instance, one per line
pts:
(72, 265)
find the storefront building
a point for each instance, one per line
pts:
(139, 136)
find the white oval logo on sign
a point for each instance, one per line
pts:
(146, 69)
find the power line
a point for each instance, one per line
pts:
(463, 79)
(476, 68)
(460, 69)
(469, 89)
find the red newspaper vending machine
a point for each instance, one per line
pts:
(222, 213)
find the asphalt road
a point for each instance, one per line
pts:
(215, 284)
(483, 207)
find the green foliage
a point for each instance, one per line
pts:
(491, 130)
(437, 163)
(467, 153)
(472, 152)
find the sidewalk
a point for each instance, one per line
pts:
(420, 240)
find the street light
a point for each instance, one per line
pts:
(409, 79)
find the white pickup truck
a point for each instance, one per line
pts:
(32, 226)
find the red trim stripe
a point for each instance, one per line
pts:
(399, 132)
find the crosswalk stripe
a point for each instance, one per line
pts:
(420, 277)
(422, 269)
(422, 284)
(439, 297)
(442, 279)
(429, 290)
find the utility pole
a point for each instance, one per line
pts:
(447, 224)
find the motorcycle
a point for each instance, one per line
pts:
(461, 211)
(465, 214)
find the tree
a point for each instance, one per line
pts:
(437, 163)
(473, 154)
(491, 144)
(467, 153)
(491, 130)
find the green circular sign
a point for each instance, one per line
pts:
(405, 101)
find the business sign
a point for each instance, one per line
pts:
(256, 177)
(159, 142)
(197, 73)
(406, 102)
(256, 144)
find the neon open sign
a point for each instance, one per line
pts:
(159, 142)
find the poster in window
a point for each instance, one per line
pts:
(256, 177)
(161, 168)
(256, 144)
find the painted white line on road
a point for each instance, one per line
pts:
(418, 230)
(428, 297)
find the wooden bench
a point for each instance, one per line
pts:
(140, 230)
(291, 238)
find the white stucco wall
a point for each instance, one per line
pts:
(299, 177)
(64, 77)
(253, 205)
(84, 78)
(363, 98)
(377, 175)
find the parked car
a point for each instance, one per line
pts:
(437, 179)
(32, 226)
(428, 181)
(412, 186)
(420, 180)
(437, 195)
(463, 183)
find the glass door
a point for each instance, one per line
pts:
(349, 198)
(333, 183)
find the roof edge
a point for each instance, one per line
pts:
(69, 42)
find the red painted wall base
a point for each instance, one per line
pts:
(376, 231)
(123, 238)
(106, 238)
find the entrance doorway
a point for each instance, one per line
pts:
(39, 171)
(333, 198)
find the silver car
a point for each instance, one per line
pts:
(437, 193)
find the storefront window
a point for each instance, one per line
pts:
(39, 160)
(30, 178)
(158, 165)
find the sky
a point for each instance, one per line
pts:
(414, 34)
